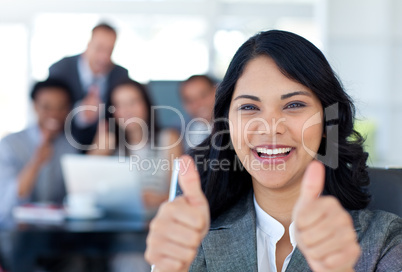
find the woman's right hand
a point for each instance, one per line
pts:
(178, 228)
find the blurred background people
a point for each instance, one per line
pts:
(30, 159)
(90, 75)
(135, 133)
(198, 97)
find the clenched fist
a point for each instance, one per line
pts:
(324, 229)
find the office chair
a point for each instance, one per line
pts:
(386, 190)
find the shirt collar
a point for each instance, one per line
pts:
(272, 227)
(84, 70)
(34, 133)
(292, 235)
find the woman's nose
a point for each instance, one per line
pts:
(272, 123)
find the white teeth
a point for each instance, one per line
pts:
(274, 151)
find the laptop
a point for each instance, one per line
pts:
(115, 185)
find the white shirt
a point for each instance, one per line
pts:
(269, 232)
(88, 78)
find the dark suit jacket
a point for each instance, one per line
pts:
(231, 242)
(67, 70)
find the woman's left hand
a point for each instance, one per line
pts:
(323, 228)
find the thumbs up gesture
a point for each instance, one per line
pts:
(324, 230)
(179, 226)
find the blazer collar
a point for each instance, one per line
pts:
(297, 262)
(231, 242)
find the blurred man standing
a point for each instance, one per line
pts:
(198, 97)
(91, 76)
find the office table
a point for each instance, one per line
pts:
(102, 237)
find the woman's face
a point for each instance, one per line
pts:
(129, 103)
(275, 125)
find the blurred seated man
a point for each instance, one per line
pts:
(30, 159)
(90, 76)
(198, 97)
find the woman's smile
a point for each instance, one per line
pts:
(272, 154)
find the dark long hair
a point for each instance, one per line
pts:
(301, 61)
(152, 124)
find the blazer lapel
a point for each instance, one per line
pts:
(297, 262)
(231, 243)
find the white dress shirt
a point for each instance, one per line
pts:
(269, 232)
(88, 78)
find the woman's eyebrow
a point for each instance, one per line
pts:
(252, 97)
(284, 96)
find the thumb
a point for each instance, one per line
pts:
(312, 183)
(190, 182)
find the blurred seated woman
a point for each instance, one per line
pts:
(130, 132)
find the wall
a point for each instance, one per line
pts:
(363, 41)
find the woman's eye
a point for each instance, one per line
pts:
(295, 105)
(248, 107)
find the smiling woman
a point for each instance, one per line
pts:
(265, 101)
(288, 80)
(279, 111)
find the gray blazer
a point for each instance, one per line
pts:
(231, 243)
